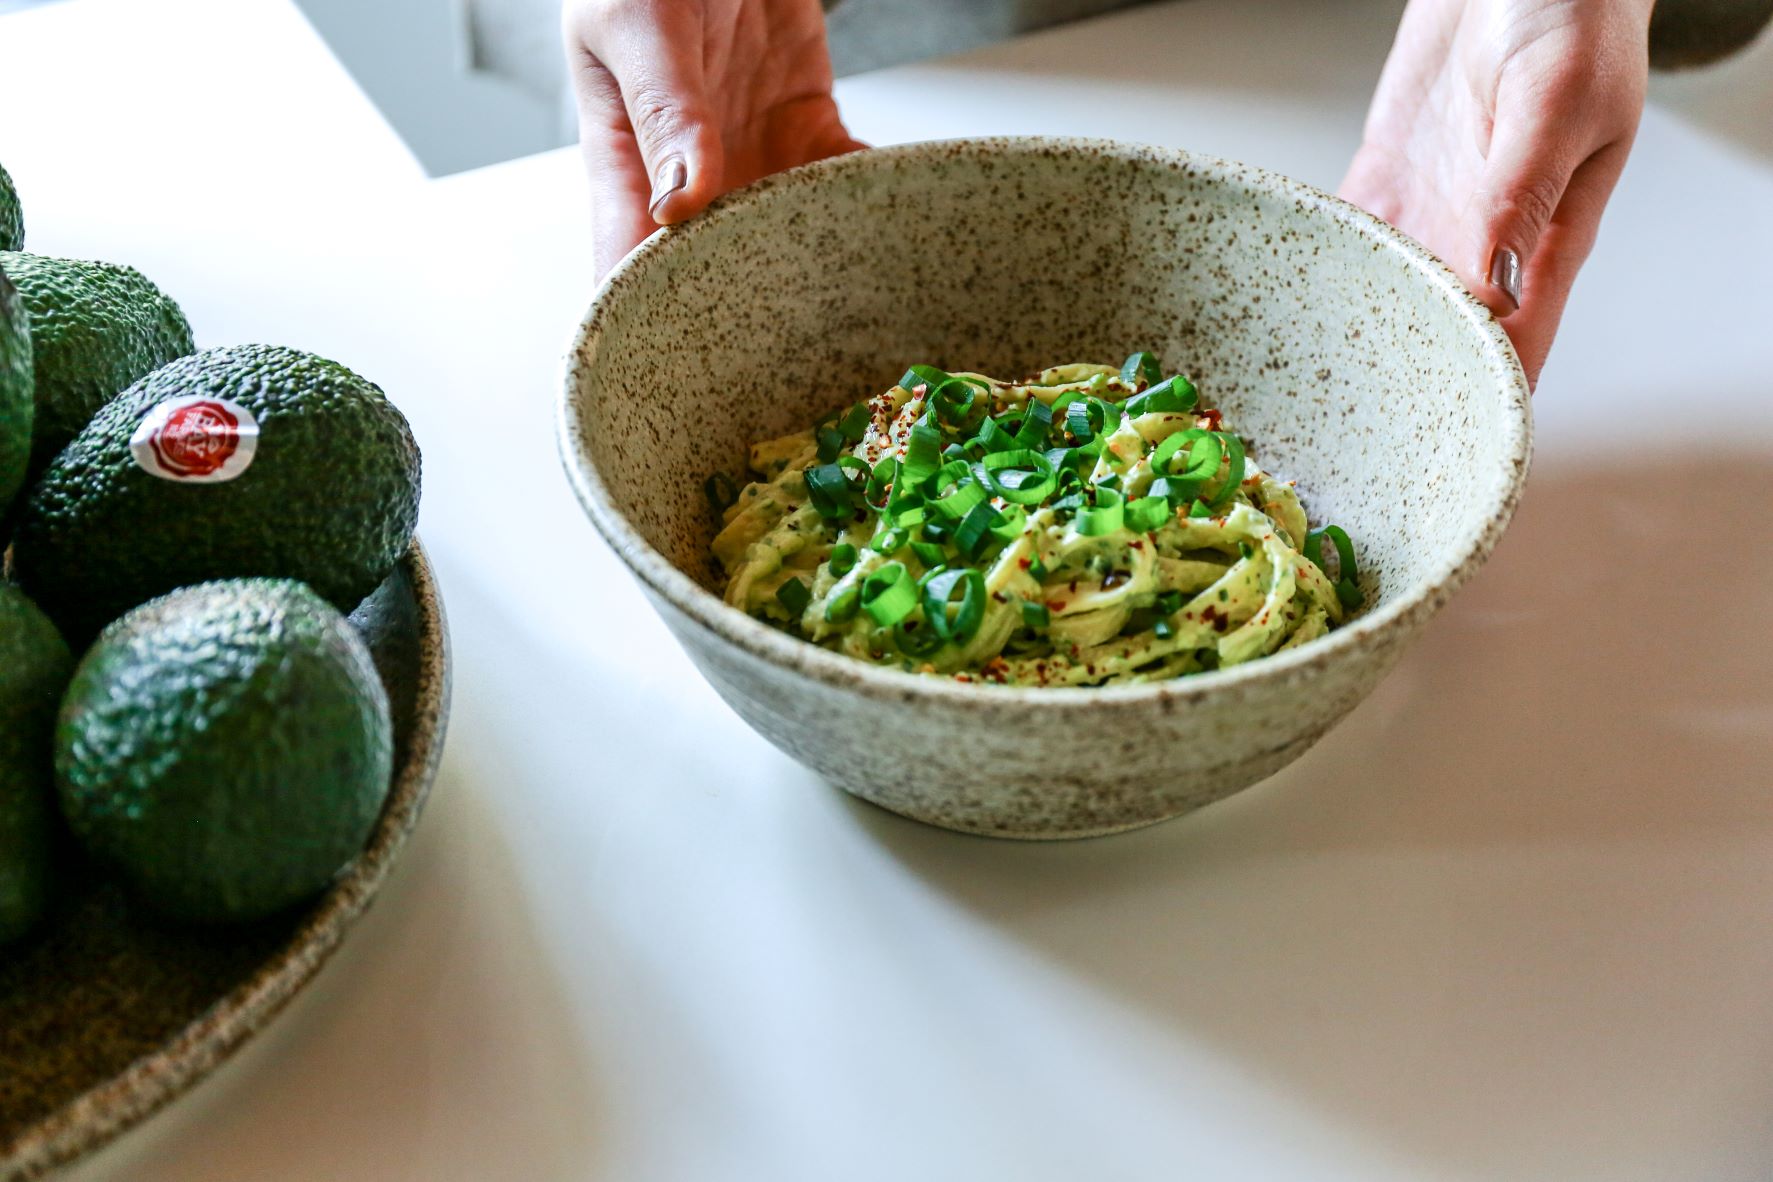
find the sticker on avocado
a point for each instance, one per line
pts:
(196, 439)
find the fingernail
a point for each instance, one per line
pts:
(672, 177)
(1505, 272)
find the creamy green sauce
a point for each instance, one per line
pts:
(1141, 562)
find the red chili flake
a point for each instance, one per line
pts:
(1074, 586)
(1000, 597)
(1024, 563)
(1055, 605)
(1136, 544)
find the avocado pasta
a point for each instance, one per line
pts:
(1088, 526)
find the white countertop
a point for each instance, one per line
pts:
(1514, 919)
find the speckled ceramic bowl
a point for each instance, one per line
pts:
(105, 1017)
(1352, 359)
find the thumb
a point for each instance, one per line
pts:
(655, 55)
(1528, 168)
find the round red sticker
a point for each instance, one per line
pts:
(203, 440)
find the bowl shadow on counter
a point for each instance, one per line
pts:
(1491, 917)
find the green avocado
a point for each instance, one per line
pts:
(15, 395)
(12, 218)
(328, 493)
(34, 667)
(95, 328)
(225, 749)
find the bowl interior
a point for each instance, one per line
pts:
(1352, 361)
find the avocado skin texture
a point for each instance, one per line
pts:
(331, 496)
(16, 382)
(225, 749)
(34, 668)
(95, 328)
(12, 218)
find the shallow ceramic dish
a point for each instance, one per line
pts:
(105, 1018)
(1351, 359)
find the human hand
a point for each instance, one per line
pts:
(1495, 138)
(682, 100)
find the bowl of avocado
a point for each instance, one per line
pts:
(864, 435)
(224, 680)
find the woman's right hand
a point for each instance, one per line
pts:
(682, 100)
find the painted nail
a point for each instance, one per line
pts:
(672, 177)
(1505, 272)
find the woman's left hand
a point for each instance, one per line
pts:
(1495, 138)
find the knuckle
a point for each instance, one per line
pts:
(1534, 201)
(660, 114)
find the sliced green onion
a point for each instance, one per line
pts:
(951, 400)
(829, 490)
(1205, 454)
(1022, 476)
(955, 492)
(937, 590)
(854, 425)
(842, 560)
(1037, 569)
(1169, 603)
(928, 553)
(1199, 509)
(913, 641)
(881, 479)
(923, 455)
(1036, 615)
(1175, 396)
(1069, 503)
(1148, 513)
(830, 444)
(974, 532)
(923, 375)
(794, 596)
(1163, 629)
(1141, 368)
(993, 437)
(1234, 477)
(843, 606)
(1106, 516)
(889, 594)
(721, 492)
(889, 541)
(935, 531)
(1078, 421)
(1037, 422)
(1348, 588)
(909, 518)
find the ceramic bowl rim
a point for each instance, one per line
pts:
(104, 1112)
(1407, 610)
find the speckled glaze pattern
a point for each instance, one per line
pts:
(105, 1017)
(1350, 358)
